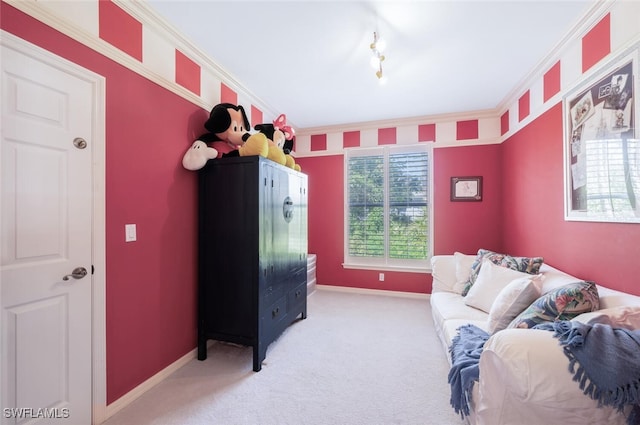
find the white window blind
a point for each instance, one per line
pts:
(613, 177)
(387, 211)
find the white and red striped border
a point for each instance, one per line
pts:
(135, 36)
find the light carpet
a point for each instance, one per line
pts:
(356, 359)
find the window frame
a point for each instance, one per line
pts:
(385, 263)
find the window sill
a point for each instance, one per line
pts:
(385, 267)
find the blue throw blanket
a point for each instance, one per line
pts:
(608, 363)
(465, 350)
(607, 360)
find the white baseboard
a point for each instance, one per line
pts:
(372, 291)
(129, 397)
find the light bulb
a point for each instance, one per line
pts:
(380, 45)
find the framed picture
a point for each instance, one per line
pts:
(466, 188)
(601, 146)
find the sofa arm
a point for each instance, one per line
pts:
(525, 379)
(443, 271)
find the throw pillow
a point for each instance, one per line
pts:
(512, 300)
(563, 303)
(463, 269)
(490, 281)
(529, 265)
(624, 316)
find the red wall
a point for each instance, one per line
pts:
(459, 226)
(467, 226)
(522, 213)
(150, 283)
(326, 230)
(534, 213)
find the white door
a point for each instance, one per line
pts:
(46, 225)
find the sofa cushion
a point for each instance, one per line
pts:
(443, 271)
(529, 265)
(450, 312)
(627, 317)
(463, 270)
(613, 298)
(563, 303)
(554, 278)
(491, 279)
(512, 300)
(448, 305)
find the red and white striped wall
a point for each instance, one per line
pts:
(132, 34)
(608, 28)
(135, 36)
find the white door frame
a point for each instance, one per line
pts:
(98, 255)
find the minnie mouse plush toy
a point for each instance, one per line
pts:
(282, 137)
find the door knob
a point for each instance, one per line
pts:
(77, 273)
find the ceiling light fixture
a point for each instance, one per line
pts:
(377, 47)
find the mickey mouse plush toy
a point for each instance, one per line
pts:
(228, 136)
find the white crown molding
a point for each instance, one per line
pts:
(436, 145)
(143, 13)
(474, 142)
(148, 16)
(33, 9)
(596, 12)
(401, 122)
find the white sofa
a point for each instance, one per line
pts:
(523, 373)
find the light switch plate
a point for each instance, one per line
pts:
(130, 232)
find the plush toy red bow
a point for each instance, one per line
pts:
(280, 123)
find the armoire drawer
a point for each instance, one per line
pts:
(270, 294)
(297, 295)
(300, 276)
(275, 312)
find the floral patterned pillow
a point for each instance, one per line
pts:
(521, 264)
(563, 303)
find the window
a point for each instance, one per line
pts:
(388, 208)
(613, 177)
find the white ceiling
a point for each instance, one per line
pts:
(310, 59)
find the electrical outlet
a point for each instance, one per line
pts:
(381, 277)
